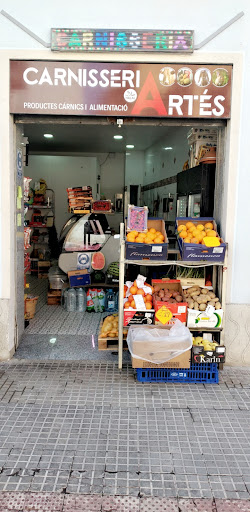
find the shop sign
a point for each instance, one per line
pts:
(99, 40)
(120, 89)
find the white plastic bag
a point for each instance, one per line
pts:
(158, 344)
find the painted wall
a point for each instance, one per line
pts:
(64, 169)
(231, 46)
(161, 163)
(61, 172)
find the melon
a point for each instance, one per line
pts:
(98, 261)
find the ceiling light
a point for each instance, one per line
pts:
(52, 340)
(130, 146)
(48, 135)
(168, 148)
(118, 137)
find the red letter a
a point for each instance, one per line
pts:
(155, 102)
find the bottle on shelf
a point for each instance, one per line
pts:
(196, 210)
(110, 301)
(71, 300)
(81, 300)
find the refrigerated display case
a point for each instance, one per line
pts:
(195, 191)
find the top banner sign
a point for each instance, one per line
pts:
(98, 40)
(120, 89)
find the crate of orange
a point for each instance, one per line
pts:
(138, 303)
(149, 245)
(199, 241)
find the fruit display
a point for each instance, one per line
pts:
(195, 233)
(112, 273)
(206, 344)
(98, 261)
(138, 287)
(150, 236)
(199, 298)
(166, 295)
(109, 328)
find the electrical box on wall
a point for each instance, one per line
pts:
(167, 205)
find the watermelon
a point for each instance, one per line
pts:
(98, 261)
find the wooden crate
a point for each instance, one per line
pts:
(110, 343)
(54, 297)
(43, 268)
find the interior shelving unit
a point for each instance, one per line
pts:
(218, 282)
(36, 226)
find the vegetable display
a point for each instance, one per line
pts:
(199, 298)
(166, 295)
(206, 344)
(109, 327)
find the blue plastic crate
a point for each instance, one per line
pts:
(200, 373)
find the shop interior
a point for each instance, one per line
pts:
(124, 164)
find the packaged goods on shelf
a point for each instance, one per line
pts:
(150, 245)
(80, 197)
(95, 300)
(169, 302)
(137, 218)
(159, 346)
(103, 205)
(204, 308)
(191, 276)
(205, 244)
(79, 277)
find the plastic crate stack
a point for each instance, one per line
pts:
(206, 373)
(200, 139)
(79, 199)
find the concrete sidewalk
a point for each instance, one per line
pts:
(36, 502)
(83, 428)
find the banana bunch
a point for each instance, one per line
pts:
(206, 344)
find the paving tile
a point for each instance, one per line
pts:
(12, 500)
(196, 505)
(120, 504)
(81, 503)
(232, 506)
(158, 505)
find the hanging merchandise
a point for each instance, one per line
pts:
(27, 233)
(26, 189)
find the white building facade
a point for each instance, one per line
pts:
(229, 45)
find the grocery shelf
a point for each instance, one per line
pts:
(218, 270)
(101, 285)
(206, 329)
(40, 207)
(180, 263)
